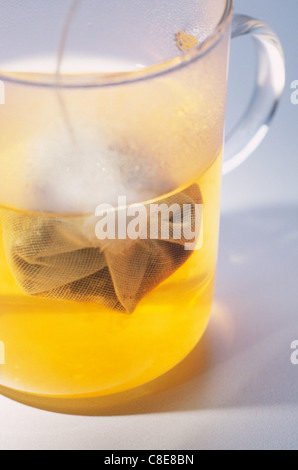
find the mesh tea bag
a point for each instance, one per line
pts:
(56, 258)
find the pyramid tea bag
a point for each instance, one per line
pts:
(53, 257)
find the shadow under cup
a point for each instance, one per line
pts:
(81, 318)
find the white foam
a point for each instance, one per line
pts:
(74, 177)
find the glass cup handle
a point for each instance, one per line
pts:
(270, 83)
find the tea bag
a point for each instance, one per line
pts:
(56, 258)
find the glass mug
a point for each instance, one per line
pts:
(108, 99)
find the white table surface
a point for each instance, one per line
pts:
(238, 389)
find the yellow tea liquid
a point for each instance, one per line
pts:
(66, 349)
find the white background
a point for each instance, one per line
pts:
(238, 389)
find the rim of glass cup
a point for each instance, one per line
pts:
(97, 80)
